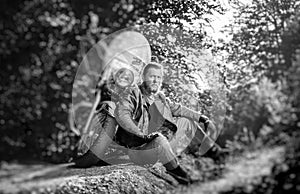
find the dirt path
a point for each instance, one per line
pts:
(242, 172)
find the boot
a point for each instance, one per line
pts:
(181, 175)
(86, 160)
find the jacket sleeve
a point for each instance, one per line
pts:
(181, 111)
(124, 113)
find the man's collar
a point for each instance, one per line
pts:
(143, 89)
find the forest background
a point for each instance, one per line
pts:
(43, 42)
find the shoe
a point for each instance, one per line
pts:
(102, 163)
(181, 176)
(85, 161)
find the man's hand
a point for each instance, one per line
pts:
(210, 129)
(150, 137)
(203, 119)
(147, 138)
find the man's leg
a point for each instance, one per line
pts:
(186, 129)
(150, 153)
(160, 149)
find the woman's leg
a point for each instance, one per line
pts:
(100, 145)
(105, 137)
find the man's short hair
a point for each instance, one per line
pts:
(152, 65)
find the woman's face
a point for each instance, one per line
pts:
(124, 78)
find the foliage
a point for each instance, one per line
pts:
(42, 43)
(261, 56)
(257, 35)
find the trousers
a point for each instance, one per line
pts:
(158, 149)
(186, 129)
(149, 153)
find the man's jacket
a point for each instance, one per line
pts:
(135, 116)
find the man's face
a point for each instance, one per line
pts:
(153, 80)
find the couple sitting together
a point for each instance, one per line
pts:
(144, 121)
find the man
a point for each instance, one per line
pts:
(140, 117)
(168, 115)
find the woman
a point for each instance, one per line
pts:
(105, 124)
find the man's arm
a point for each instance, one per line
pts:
(178, 110)
(181, 111)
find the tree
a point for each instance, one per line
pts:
(261, 59)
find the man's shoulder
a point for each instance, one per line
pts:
(161, 96)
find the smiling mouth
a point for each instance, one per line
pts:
(124, 80)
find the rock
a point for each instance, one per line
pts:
(109, 179)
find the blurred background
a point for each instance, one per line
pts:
(255, 46)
